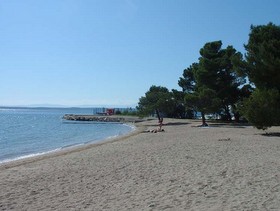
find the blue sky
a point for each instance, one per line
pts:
(109, 52)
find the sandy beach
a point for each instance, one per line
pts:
(221, 167)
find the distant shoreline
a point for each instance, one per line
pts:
(65, 107)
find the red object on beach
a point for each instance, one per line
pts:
(110, 111)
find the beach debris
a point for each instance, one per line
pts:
(224, 139)
(152, 205)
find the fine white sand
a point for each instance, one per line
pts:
(222, 167)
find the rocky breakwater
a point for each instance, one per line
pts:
(73, 117)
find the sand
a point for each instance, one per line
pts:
(222, 167)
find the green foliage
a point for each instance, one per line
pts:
(215, 71)
(179, 110)
(244, 93)
(263, 70)
(262, 108)
(187, 82)
(157, 97)
(127, 112)
(118, 112)
(263, 56)
(171, 104)
(215, 84)
(204, 100)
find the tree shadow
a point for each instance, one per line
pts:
(271, 134)
(175, 123)
(171, 124)
(228, 124)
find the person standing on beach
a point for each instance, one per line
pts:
(160, 121)
(157, 129)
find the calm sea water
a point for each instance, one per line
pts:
(28, 132)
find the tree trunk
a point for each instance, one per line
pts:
(236, 117)
(203, 119)
(227, 113)
(158, 116)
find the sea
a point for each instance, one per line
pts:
(29, 132)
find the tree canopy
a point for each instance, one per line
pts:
(204, 100)
(213, 74)
(160, 99)
(217, 72)
(263, 70)
(187, 82)
(216, 83)
(263, 56)
(156, 98)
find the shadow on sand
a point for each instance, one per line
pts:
(232, 124)
(229, 125)
(170, 124)
(272, 134)
(175, 123)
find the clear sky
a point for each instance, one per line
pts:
(109, 52)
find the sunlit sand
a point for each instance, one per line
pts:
(220, 167)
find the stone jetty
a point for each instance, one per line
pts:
(100, 118)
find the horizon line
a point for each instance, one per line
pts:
(67, 106)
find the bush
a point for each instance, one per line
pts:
(262, 108)
(118, 112)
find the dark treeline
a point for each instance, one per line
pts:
(227, 83)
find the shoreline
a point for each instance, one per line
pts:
(80, 118)
(222, 167)
(21, 160)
